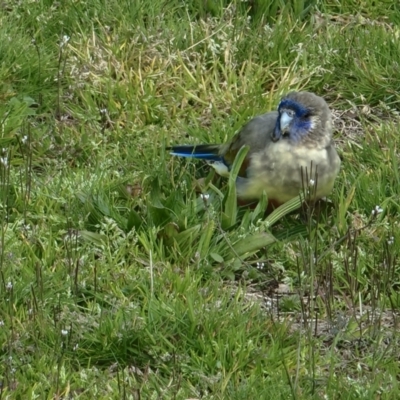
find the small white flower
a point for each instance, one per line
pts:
(24, 139)
(4, 160)
(64, 40)
(377, 210)
(260, 265)
(390, 240)
(205, 197)
(9, 286)
(1, 323)
(64, 332)
(103, 111)
(75, 347)
(311, 183)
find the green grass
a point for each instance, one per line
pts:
(117, 279)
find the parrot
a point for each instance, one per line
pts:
(282, 145)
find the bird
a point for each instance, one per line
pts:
(282, 145)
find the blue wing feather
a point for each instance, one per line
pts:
(207, 152)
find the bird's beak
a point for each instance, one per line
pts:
(281, 126)
(285, 121)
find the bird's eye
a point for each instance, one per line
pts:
(290, 113)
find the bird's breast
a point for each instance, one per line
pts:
(282, 169)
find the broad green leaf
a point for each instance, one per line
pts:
(216, 257)
(188, 236)
(230, 201)
(285, 209)
(93, 237)
(134, 220)
(253, 243)
(259, 211)
(205, 239)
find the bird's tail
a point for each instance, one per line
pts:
(202, 151)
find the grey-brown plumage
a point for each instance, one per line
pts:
(298, 135)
